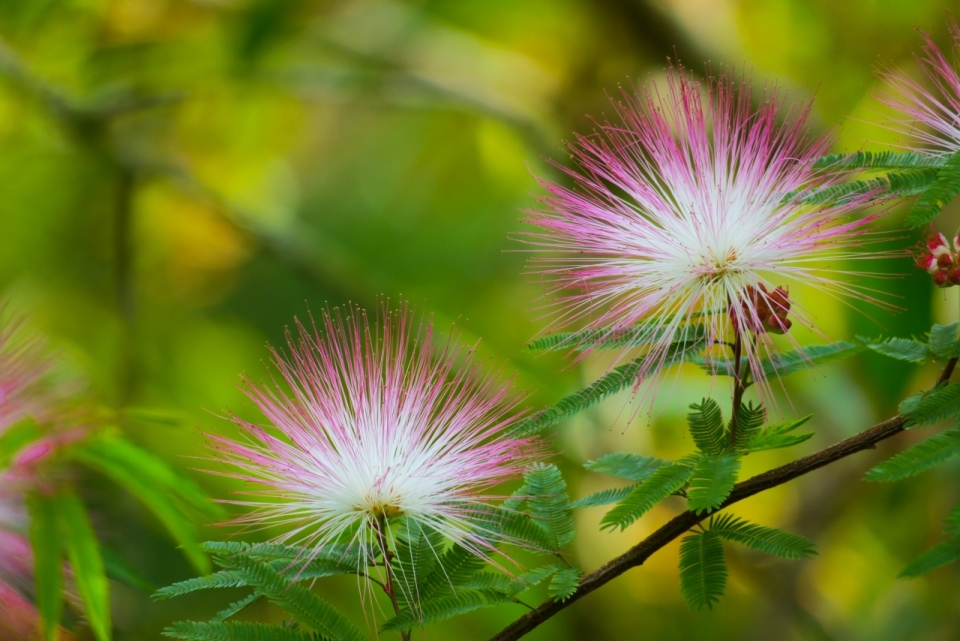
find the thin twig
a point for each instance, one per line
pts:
(680, 524)
(738, 386)
(389, 587)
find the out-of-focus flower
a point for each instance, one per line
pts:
(930, 115)
(379, 426)
(688, 213)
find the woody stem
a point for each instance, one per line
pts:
(738, 386)
(388, 584)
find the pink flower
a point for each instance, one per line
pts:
(684, 216)
(378, 425)
(935, 108)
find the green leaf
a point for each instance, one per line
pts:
(900, 184)
(549, 505)
(83, 551)
(47, 566)
(788, 362)
(534, 577)
(661, 484)
(16, 437)
(938, 195)
(616, 380)
(236, 631)
(159, 488)
(902, 349)
(925, 408)
(768, 540)
(953, 521)
(417, 554)
(626, 465)
(706, 426)
(809, 356)
(713, 479)
(603, 497)
(918, 458)
(305, 607)
(445, 608)
(235, 607)
(877, 160)
(940, 554)
(646, 333)
(564, 583)
(943, 341)
(703, 570)
(119, 570)
(778, 436)
(750, 419)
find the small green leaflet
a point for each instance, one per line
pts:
(661, 484)
(626, 465)
(603, 497)
(549, 505)
(943, 341)
(778, 436)
(939, 555)
(614, 381)
(706, 426)
(236, 631)
(902, 349)
(564, 583)
(621, 338)
(750, 419)
(714, 476)
(764, 539)
(953, 521)
(16, 437)
(444, 608)
(703, 569)
(918, 458)
(877, 160)
(925, 408)
(779, 365)
(937, 195)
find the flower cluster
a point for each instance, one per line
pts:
(764, 311)
(379, 424)
(940, 259)
(683, 213)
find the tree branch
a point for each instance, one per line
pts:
(680, 524)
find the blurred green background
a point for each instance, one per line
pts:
(180, 178)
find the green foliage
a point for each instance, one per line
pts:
(646, 333)
(940, 554)
(47, 567)
(172, 497)
(235, 607)
(780, 365)
(83, 550)
(937, 195)
(236, 631)
(15, 437)
(943, 341)
(706, 426)
(703, 569)
(902, 349)
(305, 607)
(900, 184)
(661, 484)
(925, 408)
(444, 608)
(761, 538)
(953, 521)
(221, 579)
(603, 497)
(750, 419)
(714, 476)
(877, 160)
(564, 583)
(626, 465)
(549, 505)
(614, 381)
(919, 458)
(778, 436)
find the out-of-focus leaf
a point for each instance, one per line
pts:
(626, 465)
(47, 565)
(83, 550)
(16, 437)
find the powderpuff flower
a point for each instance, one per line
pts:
(378, 426)
(686, 219)
(929, 115)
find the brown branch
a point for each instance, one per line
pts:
(680, 524)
